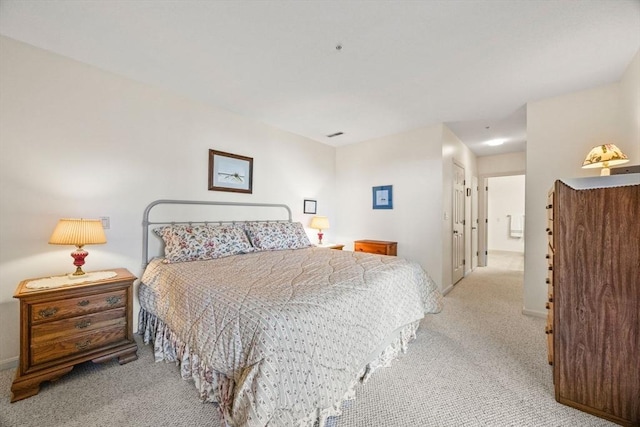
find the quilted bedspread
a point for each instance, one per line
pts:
(290, 330)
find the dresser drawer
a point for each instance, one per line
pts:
(549, 331)
(59, 329)
(60, 309)
(55, 349)
(379, 247)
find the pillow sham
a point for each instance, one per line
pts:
(185, 242)
(277, 235)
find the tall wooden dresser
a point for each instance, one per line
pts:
(593, 322)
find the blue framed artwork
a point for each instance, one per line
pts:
(383, 197)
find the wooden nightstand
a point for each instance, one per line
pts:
(61, 327)
(331, 246)
(379, 247)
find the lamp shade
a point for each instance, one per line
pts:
(603, 156)
(78, 232)
(319, 222)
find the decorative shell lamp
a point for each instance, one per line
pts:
(78, 232)
(603, 156)
(320, 223)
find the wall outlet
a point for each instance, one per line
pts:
(106, 223)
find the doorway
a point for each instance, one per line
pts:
(505, 222)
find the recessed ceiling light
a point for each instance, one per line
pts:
(495, 142)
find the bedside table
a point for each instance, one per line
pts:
(63, 326)
(330, 246)
(380, 247)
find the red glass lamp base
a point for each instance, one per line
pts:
(78, 260)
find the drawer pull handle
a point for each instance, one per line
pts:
(48, 312)
(82, 345)
(113, 300)
(550, 268)
(83, 303)
(84, 323)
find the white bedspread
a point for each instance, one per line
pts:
(286, 331)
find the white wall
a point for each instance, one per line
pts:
(411, 162)
(454, 151)
(560, 133)
(419, 165)
(502, 164)
(630, 110)
(76, 141)
(506, 197)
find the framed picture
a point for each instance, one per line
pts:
(310, 206)
(383, 197)
(230, 172)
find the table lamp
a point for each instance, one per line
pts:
(320, 223)
(78, 232)
(603, 156)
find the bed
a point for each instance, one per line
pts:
(275, 331)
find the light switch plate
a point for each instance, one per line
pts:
(106, 223)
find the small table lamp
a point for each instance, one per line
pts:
(78, 232)
(603, 156)
(319, 223)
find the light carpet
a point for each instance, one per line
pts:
(478, 363)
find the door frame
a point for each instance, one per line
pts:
(475, 223)
(461, 237)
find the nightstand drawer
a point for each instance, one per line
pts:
(54, 310)
(74, 325)
(56, 349)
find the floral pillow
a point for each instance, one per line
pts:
(184, 242)
(277, 235)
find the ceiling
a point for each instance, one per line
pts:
(364, 68)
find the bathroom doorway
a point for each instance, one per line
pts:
(505, 222)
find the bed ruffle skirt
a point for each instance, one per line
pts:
(218, 388)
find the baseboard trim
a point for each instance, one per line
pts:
(9, 363)
(447, 290)
(534, 313)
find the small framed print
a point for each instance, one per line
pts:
(230, 172)
(383, 197)
(310, 206)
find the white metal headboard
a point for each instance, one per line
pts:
(146, 222)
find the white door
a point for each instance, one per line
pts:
(458, 223)
(474, 222)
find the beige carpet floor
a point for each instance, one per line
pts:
(478, 363)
